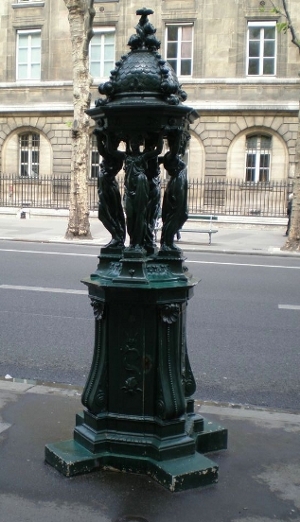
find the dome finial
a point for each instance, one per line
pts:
(145, 31)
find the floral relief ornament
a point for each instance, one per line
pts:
(98, 309)
(170, 313)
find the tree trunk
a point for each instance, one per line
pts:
(81, 14)
(293, 241)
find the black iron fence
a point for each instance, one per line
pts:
(205, 196)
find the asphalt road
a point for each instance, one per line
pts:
(243, 321)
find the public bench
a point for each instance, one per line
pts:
(207, 218)
(210, 230)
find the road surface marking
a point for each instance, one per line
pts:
(10, 312)
(242, 264)
(75, 254)
(48, 253)
(288, 307)
(44, 289)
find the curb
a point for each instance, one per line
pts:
(246, 411)
(274, 252)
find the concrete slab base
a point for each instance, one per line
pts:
(71, 458)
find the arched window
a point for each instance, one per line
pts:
(258, 158)
(29, 155)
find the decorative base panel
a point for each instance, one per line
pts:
(70, 458)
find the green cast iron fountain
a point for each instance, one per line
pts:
(139, 412)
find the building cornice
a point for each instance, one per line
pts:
(199, 105)
(34, 84)
(184, 80)
(37, 107)
(240, 81)
(221, 106)
(29, 4)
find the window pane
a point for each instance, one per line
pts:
(268, 66)
(110, 38)
(251, 160)
(23, 40)
(96, 40)
(172, 33)
(108, 66)
(252, 142)
(36, 55)
(173, 64)
(35, 72)
(22, 72)
(35, 156)
(270, 33)
(24, 171)
(36, 140)
(34, 170)
(95, 70)
(254, 49)
(109, 53)
(253, 66)
(265, 142)
(186, 67)
(23, 53)
(94, 171)
(187, 32)
(24, 140)
(95, 157)
(172, 50)
(264, 160)
(24, 156)
(263, 175)
(269, 49)
(254, 33)
(95, 52)
(35, 40)
(250, 175)
(186, 50)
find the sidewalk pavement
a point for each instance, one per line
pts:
(259, 473)
(243, 236)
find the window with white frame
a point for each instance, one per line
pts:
(27, 1)
(29, 54)
(179, 48)
(261, 59)
(258, 158)
(29, 153)
(102, 52)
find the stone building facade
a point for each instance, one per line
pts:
(239, 73)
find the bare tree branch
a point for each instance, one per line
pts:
(289, 25)
(295, 40)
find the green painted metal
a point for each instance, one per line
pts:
(139, 412)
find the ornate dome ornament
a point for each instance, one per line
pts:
(142, 107)
(143, 71)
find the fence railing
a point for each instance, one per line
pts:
(205, 196)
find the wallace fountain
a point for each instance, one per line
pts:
(138, 409)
